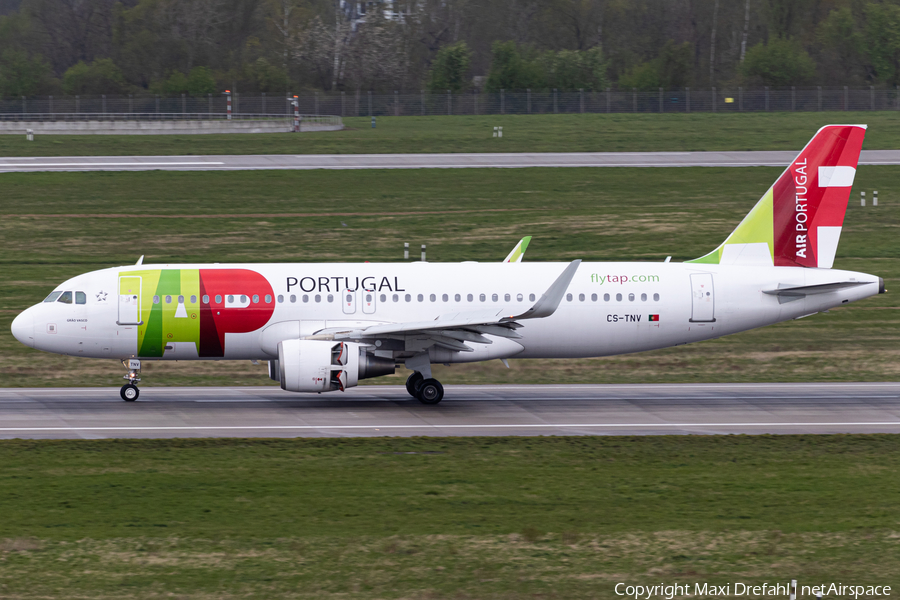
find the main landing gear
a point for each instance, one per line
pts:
(130, 391)
(428, 391)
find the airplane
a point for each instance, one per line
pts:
(325, 327)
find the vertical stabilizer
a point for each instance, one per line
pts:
(797, 222)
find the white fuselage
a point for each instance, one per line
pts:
(609, 308)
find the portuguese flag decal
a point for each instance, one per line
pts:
(653, 318)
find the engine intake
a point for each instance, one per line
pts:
(324, 366)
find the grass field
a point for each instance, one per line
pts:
(442, 518)
(54, 226)
(521, 133)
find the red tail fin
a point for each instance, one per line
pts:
(810, 198)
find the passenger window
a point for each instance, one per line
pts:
(155, 299)
(408, 298)
(349, 298)
(180, 299)
(168, 299)
(531, 297)
(65, 298)
(205, 299)
(568, 297)
(80, 298)
(243, 299)
(606, 297)
(643, 297)
(457, 297)
(618, 297)
(318, 298)
(305, 298)
(383, 298)
(519, 297)
(255, 298)
(581, 297)
(495, 297)
(506, 297)
(656, 297)
(470, 297)
(330, 298)
(193, 299)
(432, 297)
(395, 298)
(482, 297)
(593, 297)
(631, 297)
(420, 297)
(218, 299)
(230, 299)
(52, 297)
(445, 298)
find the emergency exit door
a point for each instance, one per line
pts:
(703, 298)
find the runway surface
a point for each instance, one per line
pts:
(420, 161)
(466, 410)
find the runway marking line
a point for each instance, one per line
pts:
(428, 426)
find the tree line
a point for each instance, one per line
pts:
(200, 47)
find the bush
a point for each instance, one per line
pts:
(450, 69)
(570, 70)
(511, 71)
(21, 75)
(100, 77)
(780, 63)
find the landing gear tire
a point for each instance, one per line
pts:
(430, 391)
(413, 382)
(129, 392)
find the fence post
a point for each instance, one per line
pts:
(370, 102)
(263, 106)
(846, 98)
(555, 103)
(581, 98)
(157, 106)
(24, 106)
(872, 96)
(52, 116)
(227, 104)
(687, 105)
(793, 98)
(130, 104)
(237, 102)
(607, 100)
(819, 94)
(896, 97)
(78, 104)
(502, 102)
(660, 99)
(449, 103)
(103, 105)
(422, 101)
(396, 103)
(183, 105)
(316, 111)
(740, 99)
(767, 98)
(714, 99)
(633, 99)
(528, 100)
(474, 102)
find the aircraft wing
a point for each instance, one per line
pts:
(518, 253)
(452, 329)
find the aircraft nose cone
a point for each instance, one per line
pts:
(23, 328)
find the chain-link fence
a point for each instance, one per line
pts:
(365, 104)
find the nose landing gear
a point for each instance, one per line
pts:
(130, 391)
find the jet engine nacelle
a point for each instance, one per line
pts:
(324, 366)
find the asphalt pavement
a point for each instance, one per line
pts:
(487, 410)
(420, 161)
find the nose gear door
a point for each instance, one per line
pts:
(129, 300)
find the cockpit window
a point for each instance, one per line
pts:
(52, 297)
(80, 298)
(65, 298)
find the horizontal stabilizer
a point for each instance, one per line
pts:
(788, 293)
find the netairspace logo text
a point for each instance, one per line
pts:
(675, 590)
